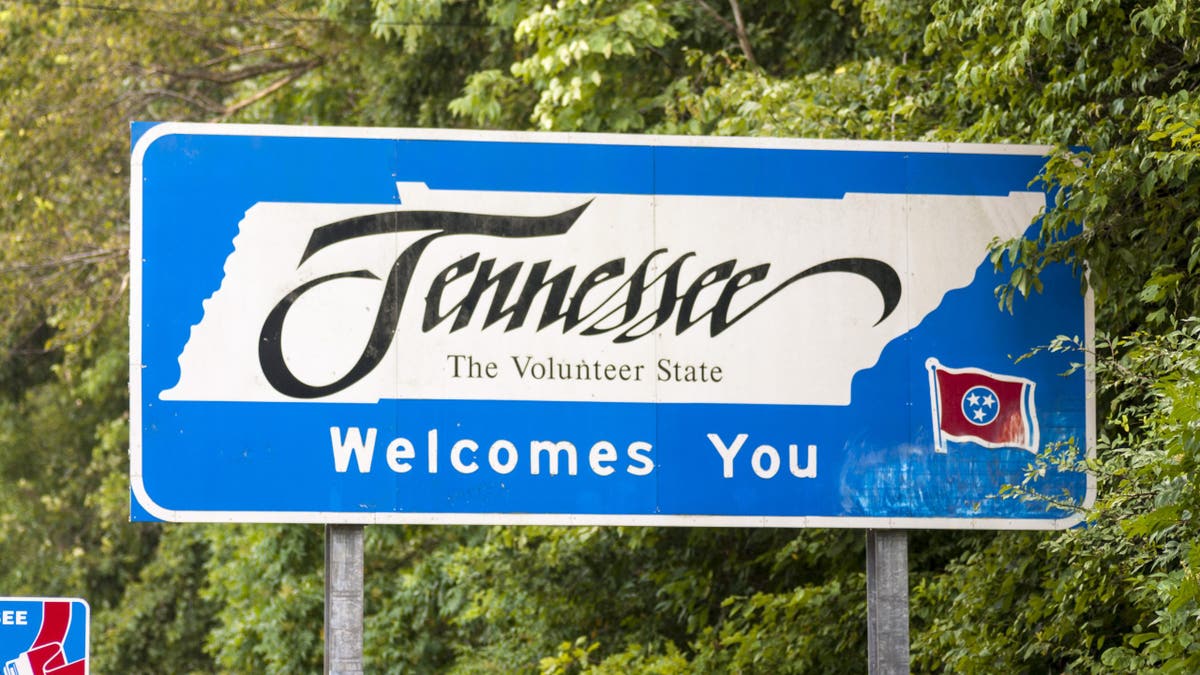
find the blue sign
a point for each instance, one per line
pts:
(427, 326)
(44, 636)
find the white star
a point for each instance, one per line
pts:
(973, 399)
(988, 400)
(979, 415)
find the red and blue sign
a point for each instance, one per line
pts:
(44, 636)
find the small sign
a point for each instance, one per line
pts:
(44, 636)
(397, 325)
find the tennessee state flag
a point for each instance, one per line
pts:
(971, 405)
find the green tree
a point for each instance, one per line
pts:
(72, 78)
(1108, 84)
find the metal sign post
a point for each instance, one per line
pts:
(343, 599)
(887, 602)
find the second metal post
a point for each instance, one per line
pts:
(344, 599)
(887, 602)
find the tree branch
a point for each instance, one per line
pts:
(737, 27)
(743, 39)
(235, 75)
(717, 15)
(203, 103)
(300, 70)
(245, 51)
(83, 258)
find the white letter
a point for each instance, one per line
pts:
(727, 454)
(433, 451)
(456, 456)
(602, 451)
(773, 462)
(494, 456)
(635, 451)
(395, 454)
(809, 471)
(352, 446)
(552, 449)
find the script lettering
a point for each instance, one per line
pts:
(635, 308)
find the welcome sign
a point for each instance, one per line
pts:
(374, 325)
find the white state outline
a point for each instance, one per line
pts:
(137, 485)
(87, 623)
(1028, 408)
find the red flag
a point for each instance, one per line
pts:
(971, 405)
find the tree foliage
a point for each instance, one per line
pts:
(1110, 85)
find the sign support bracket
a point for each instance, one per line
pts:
(344, 599)
(887, 602)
